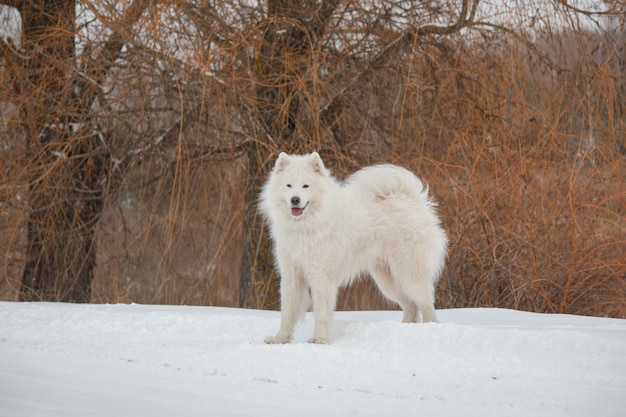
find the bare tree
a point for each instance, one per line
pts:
(69, 160)
(291, 33)
(294, 62)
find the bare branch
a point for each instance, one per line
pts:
(97, 67)
(573, 8)
(465, 19)
(323, 15)
(12, 3)
(405, 40)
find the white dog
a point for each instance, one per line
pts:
(380, 221)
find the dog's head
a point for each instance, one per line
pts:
(298, 181)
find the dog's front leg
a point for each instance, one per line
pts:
(293, 304)
(324, 293)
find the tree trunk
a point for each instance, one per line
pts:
(276, 111)
(66, 186)
(66, 201)
(283, 58)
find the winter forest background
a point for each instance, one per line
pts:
(134, 137)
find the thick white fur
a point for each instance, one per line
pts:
(380, 221)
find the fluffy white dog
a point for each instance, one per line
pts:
(380, 221)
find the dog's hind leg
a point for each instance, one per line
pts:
(383, 278)
(428, 313)
(422, 294)
(414, 290)
(410, 312)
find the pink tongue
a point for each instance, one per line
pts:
(295, 211)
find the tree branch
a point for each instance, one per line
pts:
(466, 17)
(323, 15)
(97, 67)
(12, 3)
(566, 4)
(406, 39)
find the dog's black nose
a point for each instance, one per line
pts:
(295, 201)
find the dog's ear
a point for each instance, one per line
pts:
(281, 162)
(316, 163)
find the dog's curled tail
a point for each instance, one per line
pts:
(384, 181)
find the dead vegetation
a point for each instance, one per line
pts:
(520, 133)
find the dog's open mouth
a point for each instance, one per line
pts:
(297, 211)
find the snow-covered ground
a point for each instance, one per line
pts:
(137, 360)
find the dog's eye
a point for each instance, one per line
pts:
(288, 185)
(305, 186)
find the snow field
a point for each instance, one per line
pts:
(138, 360)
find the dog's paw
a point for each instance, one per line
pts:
(318, 341)
(275, 340)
